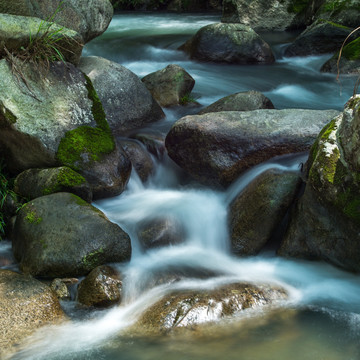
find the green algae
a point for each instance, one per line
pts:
(31, 215)
(351, 51)
(92, 260)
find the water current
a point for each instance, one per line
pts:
(321, 319)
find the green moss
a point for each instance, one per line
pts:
(80, 201)
(87, 144)
(352, 50)
(10, 116)
(92, 260)
(31, 216)
(67, 178)
(298, 6)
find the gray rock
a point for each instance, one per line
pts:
(101, 288)
(187, 309)
(26, 305)
(139, 157)
(126, 101)
(34, 183)
(216, 148)
(61, 235)
(60, 289)
(90, 18)
(170, 85)
(257, 212)
(228, 43)
(326, 222)
(322, 37)
(242, 101)
(160, 232)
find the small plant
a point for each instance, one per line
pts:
(339, 58)
(186, 99)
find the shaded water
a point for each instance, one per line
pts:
(321, 319)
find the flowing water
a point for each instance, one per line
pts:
(321, 319)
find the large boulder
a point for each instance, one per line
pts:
(326, 222)
(228, 43)
(349, 61)
(90, 18)
(18, 32)
(169, 85)
(34, 183)
(101, 288)
(242, 101)
(186, 309)
(127, 102)
(61, 235)
(320, 38)
(26, 304)
(216, 148)
(257, 212)
(55, 119)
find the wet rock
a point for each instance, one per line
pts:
(140, 158)
(61, 235)
(160, 232)
(326, 222)
(60, 289)
(34, 183)
(154, 142)
(127, 102)
(349, 62)
(191, 308)
(101, 288)
(242, 101)
(216, 148)
(15, 30)
(322, 37)
(170, 85)
(257, 212)
(228, 43)
(90, 18)
(26, 305)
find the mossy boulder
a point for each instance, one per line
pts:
(256, 213)
(101, 288)
(189, 308)
(126, 101)
(215, 148)
(320, 38)
(61, 235)
(242, 101)
(170, 85)
(90, 18)
(228, 43)
(34, 183)
(26, 305)
(326, 221)
(349, 61)
(17, 32)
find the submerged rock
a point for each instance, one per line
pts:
(101, 288)
(186, 309)
(216, 148)
(34, 183)
(127, 102)
(61, 235)
(26, 305)
(257, 212)
(326, 222)
(170, 85)
(228, 43)
(242, 101)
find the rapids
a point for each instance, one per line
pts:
(321, 319)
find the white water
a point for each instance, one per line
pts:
(327, 299)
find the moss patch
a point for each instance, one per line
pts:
(351, 51)
(86, 144)
(31, 216)
(92, 260)
(298, 6)
(67, 178)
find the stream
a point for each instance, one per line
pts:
(321, 318)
